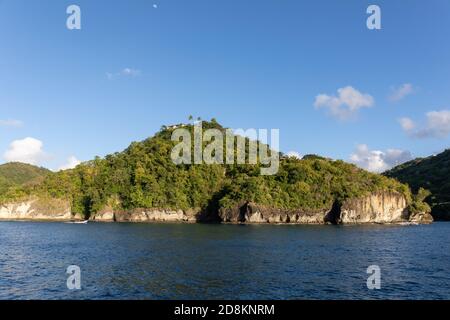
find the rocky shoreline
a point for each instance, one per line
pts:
(380, 208)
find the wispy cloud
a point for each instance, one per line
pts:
(437, 125)
(378, 161)
(346, 104)
(71, 163)
(398, 93)
(11, 123)
(126, 72)
(407, 124)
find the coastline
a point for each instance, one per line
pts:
(376, 208)
(219, 223)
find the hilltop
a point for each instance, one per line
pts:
(16, 174)
(431, 173)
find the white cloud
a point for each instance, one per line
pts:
(401, 92)
(294, 154)
(71, 163)
(346, 104)
(378, 161)
(437, 125)
(126, 72)
(28, 150)
(11, 123)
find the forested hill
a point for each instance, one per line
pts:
(144, 176)
(432, 173)
(16, 174)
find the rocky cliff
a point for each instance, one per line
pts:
(145, 215)
(248, 212)
(38, 209)
(385, 207)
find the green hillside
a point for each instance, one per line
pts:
(144, 176)
(432, 173)
(17, 174)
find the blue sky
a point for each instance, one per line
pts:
(251, 64)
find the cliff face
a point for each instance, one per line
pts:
(248, 212)
(37, 209)
(145, 215)
(378, 208)
(386, 207)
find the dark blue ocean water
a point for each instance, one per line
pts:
(179, 261)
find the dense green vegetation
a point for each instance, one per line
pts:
(144, 176)
(418, 203)
(16, 175)
(433, 174)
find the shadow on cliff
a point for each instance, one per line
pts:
(87, 207)
(334, 216)
(210, 214)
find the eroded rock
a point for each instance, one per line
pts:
(37, 209)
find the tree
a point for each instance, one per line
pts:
(418, 204)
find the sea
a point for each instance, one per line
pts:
(118, 261)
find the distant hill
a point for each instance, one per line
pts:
(15, 174)
(432, 173)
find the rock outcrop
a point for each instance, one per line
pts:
(248, 212)
(422, 217)
(38, 209)
(383, 207)
(145, 215)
